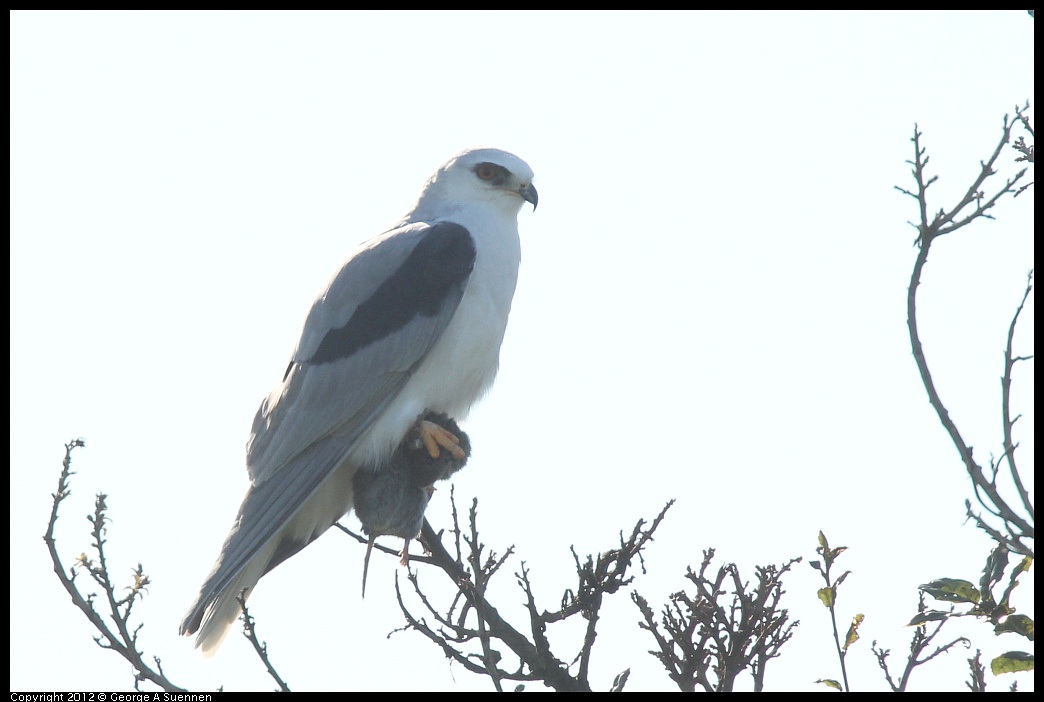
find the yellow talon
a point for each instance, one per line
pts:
(435, 436)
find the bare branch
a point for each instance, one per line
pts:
(260, 647)
(471, 571)
(986, 488)
(977, 683)
(1009, 363)
(705, 644)
(122, 639)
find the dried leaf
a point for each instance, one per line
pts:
(853, 631)
(827, 595)
(830, 683)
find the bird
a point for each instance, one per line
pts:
(411, 323)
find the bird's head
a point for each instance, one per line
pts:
(492, 176)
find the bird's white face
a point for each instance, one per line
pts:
(488, 175)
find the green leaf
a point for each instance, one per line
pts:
(952, 590)
(1012, 662)
(1017, 623)
(842, 578)
(993, 613)
(827, 595)
(823, 542)
(830, 683)
(994, 568)
(925, 617)
(853, 631)
(815, 564)
(1013, 582)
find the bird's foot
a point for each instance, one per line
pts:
(405, 560)
(435, 436)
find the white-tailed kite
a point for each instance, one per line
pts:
(412, 323)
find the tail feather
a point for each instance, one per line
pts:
(214, 612)
(237, 570)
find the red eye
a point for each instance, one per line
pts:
(486, 171)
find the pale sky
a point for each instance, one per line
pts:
(711, 308)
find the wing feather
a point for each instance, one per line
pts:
(363, 338)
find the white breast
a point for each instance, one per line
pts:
(463, 363)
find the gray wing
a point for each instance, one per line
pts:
(364, 337)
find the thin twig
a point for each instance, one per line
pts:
(123, 641)
(1010, 359)
(260, 647)
(945, 223)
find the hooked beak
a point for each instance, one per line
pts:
(529, 194)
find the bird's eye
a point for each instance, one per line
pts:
(487, 171)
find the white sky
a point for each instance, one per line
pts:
(711, 308)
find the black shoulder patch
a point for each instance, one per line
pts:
(436, 269)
